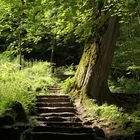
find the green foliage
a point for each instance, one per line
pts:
(41, 75)
(127, 56)
(134, 127)
(47, 18)
(20, 24)
(126, 63)
(111, 115)
(26, 135)
(109, 112)
(105, 111)
(67, 85)
(124, 85)
(70, 70)
(15, 90)
(135, 120)
(67, 70)
(135, 71)
(22, 86)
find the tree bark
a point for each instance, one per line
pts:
(91, 77)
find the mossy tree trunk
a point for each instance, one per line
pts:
(91, 77)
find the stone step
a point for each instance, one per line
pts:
(55, 104)
(58, 114)
(63, 129)
(60, 124)
(55, 100)
(13, 132)
(56, 88)
(52, 96)
(55, 109)
(58, 119)
(48, 135)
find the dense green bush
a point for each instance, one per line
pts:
(23, 85)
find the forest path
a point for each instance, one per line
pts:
(58, 118)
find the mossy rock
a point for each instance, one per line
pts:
(137, 135)
(16, 110)
(6, 120)
(119, 137)
(26, 135)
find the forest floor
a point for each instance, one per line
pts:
(129, 103)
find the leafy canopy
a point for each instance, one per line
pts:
(37, 19)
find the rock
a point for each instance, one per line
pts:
(18, 112)
(120, 137)
(137, 135)
(127, 124)
(6, 120)
(88, 122)
(38, 89)
(9, 134)
(99, 138)
(32, 110)
(99, 132)
(26, 135)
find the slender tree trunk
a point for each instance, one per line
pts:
(20, 50)
(19, 54)
(91, 77)
(52, 59)
(52, 54)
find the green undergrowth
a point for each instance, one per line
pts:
(112, 114)
(121, 85)
(23, 85)
(67, 70)
(124, 85)
(67, 85)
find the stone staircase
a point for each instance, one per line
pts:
(58, 118)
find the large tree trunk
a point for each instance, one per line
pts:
(91, 77)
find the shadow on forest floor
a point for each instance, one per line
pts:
(129, 102)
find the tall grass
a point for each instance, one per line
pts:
(23, 85)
